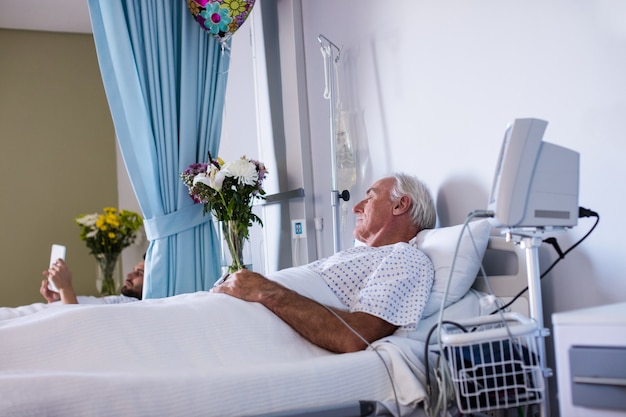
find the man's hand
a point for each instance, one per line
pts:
(309, 318)
(61, 276)
(47, 293)
(249, 286)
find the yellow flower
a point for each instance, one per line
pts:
(101, 223)
(110, 232)
(236, 6)
(193, 7)
(113, 221)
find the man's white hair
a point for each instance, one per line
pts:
(422, 209)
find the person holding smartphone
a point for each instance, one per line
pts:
(61, 276)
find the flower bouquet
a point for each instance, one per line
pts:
(106, 235)
(228, 191)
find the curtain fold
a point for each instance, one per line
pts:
(165, 80)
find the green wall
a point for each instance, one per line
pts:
(57, 157)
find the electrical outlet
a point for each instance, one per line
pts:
(298, 229)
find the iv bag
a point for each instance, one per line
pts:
(346, 167)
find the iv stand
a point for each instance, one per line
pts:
(328, 49)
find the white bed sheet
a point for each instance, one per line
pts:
(199, 354)
(7, 313)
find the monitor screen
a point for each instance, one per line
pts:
(535, 182)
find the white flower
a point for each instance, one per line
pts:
(88, 220)
(214, 178)
(243, 170)
(218, 177)
(202, 178)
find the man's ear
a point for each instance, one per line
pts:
(402, 205)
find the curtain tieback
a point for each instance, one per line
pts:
(173, 223)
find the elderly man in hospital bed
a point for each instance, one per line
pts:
(383, 285)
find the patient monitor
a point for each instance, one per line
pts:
(536, 182)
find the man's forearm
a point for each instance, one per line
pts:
(309, 318)
(68, 296)
(320, 326)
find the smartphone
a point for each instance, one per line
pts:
(58, 251)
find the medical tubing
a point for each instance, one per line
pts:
(338, 104)
(326, 54)
(497, 300)
(435, 410)
(369, 345)
(470, 217)
(442, 360)
(583, 212)
(428, 336)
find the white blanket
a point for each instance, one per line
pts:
(7, 313)
(199, 354)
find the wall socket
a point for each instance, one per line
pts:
(298, 229)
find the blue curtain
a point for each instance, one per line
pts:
(165, 80)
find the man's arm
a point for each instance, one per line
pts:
(309, 318)
(62, 278)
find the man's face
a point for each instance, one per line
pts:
(374, 211)
(133, 286)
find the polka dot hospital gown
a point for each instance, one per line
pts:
(391, 282)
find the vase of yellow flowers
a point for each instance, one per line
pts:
(109, 278)
(106, 235)
(228, 191)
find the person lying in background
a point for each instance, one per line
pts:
(384, 285)
(61, 276)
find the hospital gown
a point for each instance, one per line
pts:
(391, 282)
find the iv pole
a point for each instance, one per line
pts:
(328, 49)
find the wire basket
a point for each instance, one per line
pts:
(494, 364)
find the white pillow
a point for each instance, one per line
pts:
(439, 245)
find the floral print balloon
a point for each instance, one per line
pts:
(220, 18)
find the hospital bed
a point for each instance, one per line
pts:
(208, 354)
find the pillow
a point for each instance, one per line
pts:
(439, 245)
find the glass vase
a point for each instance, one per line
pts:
(109, 279)
(235, 247)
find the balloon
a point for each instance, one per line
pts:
(220, 18)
